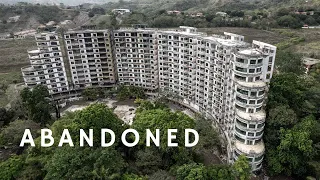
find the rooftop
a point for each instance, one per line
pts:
(231, 43)
(36, 51)
(86, 31)
(310, 61)
(250, 52)
(28, 68)
(264, 45)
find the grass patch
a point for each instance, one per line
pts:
(294, 38)
(249, 34)
(10, 78)
(5, 80)
(286, 32)
(309, 49)
(290, 42)
(14, 54)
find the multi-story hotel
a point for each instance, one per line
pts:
(222, 77)
(90, 56)
(47, 66)
(136, 57)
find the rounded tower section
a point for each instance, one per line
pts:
(249, 101)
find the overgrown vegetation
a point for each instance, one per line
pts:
(257, 14)
(125, 92)
(121, 92)
(292, 125)
(118, 161)
(32, 15)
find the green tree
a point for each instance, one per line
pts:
(6, 116)
(310, 21)
(294, 151)
(96, 117)
(220, 172)
(208, 136)
(149, 160)
(286, 89)
(90, 94)
(79, 162)
(161, 175)
(283, 12)
(91, 14)
(150, 105)
(133, 177)
(125, 92)
(280, 116)
(191, 172)
(84, 163)
(37, 104)
(289, 21)
(164, 119)
(242, 168)
(289, 62)
(12, 134)
(11, 168)
(315, 72)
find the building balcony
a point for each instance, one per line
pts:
(249, 126)
(246, 134)
(256, 84)
(249, 117)
(250, 150)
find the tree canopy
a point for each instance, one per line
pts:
(37, 104)
(292, 125)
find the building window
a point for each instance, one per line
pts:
(258, 109)
(241, 123)
(252, 61)
(242, 91)
(240, 60)
(253, 94)
(260, 125)
(268, 76)
(259, 101)
(239, 139)
(258, 69)
(270, 59)
(252, 126)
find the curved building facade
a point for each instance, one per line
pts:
(47, 66)
(220, 76)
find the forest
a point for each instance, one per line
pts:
(292, 132)
(117, 161)
(291, 136)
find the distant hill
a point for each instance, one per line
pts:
(204, 5)
(66, 2)
(183, 4)
(31, 16)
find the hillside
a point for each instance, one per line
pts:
(31, 16)
(66, 2)
(223, 5)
